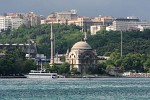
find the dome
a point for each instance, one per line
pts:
(81, 45)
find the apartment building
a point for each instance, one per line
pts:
(15, 20)
(95, 28)
(33, 19)
(4, 23)
(103, 20)
(11, 21)
(128, 23)
(124, 24)
(64, 15)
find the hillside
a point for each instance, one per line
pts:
(66, 36)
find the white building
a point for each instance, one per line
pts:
(15, 20)
(81, 57)
(129, 23)
(124, 24)
(94, 29)
(64, 15)
(4, 23)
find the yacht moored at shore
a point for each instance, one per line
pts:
(41, 74)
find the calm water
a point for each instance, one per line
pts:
(75, 89)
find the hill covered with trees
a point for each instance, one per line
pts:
(67, 35)
(136, 48)
(132, 42)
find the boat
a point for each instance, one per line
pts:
(41, 74)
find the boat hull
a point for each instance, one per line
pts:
(41, 75)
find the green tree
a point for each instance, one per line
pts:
(14, 63)
(64, 68)
(147, 64)
(133, 62)
(115, 59)
(29, 64)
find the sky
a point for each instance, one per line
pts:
(91, 8)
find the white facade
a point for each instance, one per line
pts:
(94, 29)
(15, 20)
(81, 57)
(65, 15)
(4, 23)
(109, 28)
(129, 24)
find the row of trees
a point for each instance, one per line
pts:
(135, 62)
(14, 63)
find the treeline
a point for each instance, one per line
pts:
(134, 62)
(15, 64)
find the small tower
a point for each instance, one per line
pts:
(52, 46)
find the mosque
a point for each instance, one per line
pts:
(81, 57)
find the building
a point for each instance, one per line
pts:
(129, 23)
(64, 15)
(124, 24)
(71, 17)
(81, 57)
(33, 19)
(95, 28)
(4, 23)
(68, 17)
(14, 20)
(84, 22)
(103, 20)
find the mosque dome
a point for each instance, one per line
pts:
(81, 45)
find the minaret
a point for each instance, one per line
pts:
(85, 36)
(52, 46)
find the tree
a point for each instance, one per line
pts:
(115, 59)
(133, 62)
(64, 68)
(29, 64)
(147, 64)
(14, 63)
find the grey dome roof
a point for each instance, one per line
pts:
(81, 45)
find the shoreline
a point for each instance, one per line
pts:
(13, 77)
(79, 77)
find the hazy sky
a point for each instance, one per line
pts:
(115, 8)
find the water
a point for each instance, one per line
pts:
(75, 89)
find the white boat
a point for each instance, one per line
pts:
(41, 74)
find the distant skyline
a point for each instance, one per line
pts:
(91, 8)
